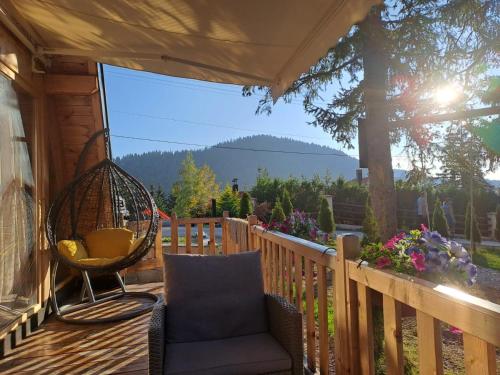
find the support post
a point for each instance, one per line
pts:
(252, 220)
(174, 234)
(225, 237)
(346, 314)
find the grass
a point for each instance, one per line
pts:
(487, 258)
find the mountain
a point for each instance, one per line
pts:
(161, 168)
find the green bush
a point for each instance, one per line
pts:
(476, 234)
(228, 201)
(287, 203)
(245, 205)
(439, 222)
(497, 229)
(325, 217)
(370, 226)
(278, 215)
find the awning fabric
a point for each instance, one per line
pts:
(259, 42)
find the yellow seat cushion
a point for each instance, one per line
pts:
(72, 249)
(99, 261)
(109, 242)
(135, 244)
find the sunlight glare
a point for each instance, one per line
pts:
(445, 95)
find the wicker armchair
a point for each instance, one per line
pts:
(246, 331)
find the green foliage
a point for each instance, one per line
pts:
(439, 222)
(476, 234)
(287, 203)
(487, 258)
(278, 215)
(497, 228)
(159, 197)
(325, 217)
(228, 201)
(245, 205)
(194, 189)
(370, 227)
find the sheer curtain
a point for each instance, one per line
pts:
(17, 250)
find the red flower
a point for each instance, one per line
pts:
(383, 262)
(418, 261)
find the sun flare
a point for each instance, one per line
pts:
(445, 95)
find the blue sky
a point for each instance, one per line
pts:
(147, 105)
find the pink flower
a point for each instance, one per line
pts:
(418, 261)
(455, 330)
(391, 244)
(423, 228)
(383, 262)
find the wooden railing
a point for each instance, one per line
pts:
(292, 265)
(323, 282)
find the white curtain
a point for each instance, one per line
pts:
(16, 204)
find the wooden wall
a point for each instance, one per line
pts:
(67, 112)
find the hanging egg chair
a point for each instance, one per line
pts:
(101, 223)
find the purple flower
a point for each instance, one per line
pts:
(412, 250)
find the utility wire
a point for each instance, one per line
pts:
(231, 147)
(211, 124)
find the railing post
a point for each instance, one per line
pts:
(346, 314)
(252, 220)
(174, 234)
(225, 237)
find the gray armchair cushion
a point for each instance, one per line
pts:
(253, 354)
(214, 297)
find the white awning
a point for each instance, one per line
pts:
(259, 42)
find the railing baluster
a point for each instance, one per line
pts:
(269, 265)
(174, 235)
(281, 260)
(310, 323)
(480, 356)
(323, 319)
(366, 330)
(430, 356)
(212, 239)
(188, 238)
(289, 279)
(298, 281)
(200, 238)
(393, 336)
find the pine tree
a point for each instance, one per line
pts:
(497, 228)
(287, 203)
(370, 227)
(325, 218)
(476, 234)
(278, 216)
(439, 222)
(228, 201)
(383, 69)
(245, 205)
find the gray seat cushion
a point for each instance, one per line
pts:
(214, 297)
(254, 354)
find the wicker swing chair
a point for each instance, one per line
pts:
(104, 221)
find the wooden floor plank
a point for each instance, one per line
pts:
(61, 348)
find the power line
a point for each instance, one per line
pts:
(231, 147)
(211, 124)
(191, 86)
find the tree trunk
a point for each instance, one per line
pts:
(381, 175)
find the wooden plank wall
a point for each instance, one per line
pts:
(75, 114)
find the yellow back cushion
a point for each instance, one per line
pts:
(73, 250)
(109, 242)
(136, 243)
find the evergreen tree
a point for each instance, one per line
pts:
(194, 189)
(476, 234)
(245, 205)
(228, 201)
(278, 215)
(439, 222)
(325, 218)
(384, 70)
(497, 228)
(370, 227)
(287, 203)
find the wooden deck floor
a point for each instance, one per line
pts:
(60, 348)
